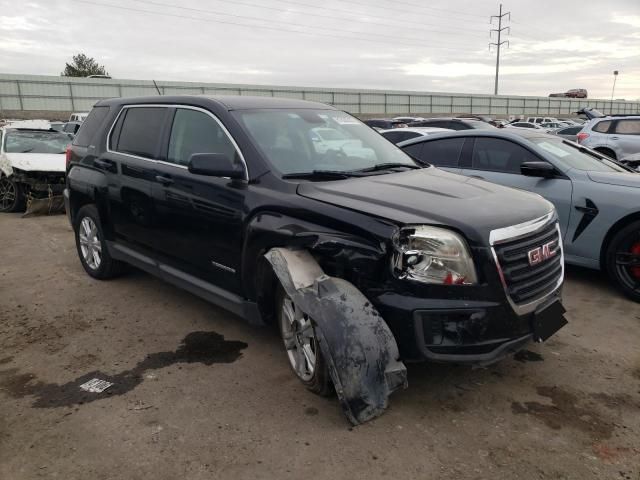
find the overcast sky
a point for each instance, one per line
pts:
(435, 45)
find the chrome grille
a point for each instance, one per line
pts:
(527, 284)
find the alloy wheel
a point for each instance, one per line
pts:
(90, 244)
(7, 193)
(299, 339)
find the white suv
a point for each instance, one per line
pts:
(616, 137)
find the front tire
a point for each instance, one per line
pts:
(12, 197)
(623, 260)
(92, 247)
(297, 330)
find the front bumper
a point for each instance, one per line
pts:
(457, 331)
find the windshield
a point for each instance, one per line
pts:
(572, 155)
(301, 140)
(17, 141)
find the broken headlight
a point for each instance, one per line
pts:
(433, 255)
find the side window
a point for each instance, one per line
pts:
(457, 126)
(628, 127)
(141, 130)
(602, 127)
(443, 153)
(196, 132)
(497, 155)
(437, 123)
(415, 150)
(570, 130)
(89, 126)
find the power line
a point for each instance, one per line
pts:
(369, 5)
(499, 43)
(278, 29)
(441, 9)
(341, 10)
(245, 17)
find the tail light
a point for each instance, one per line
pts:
(582, 136)
(68, 156)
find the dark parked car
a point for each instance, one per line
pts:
(453, 124)
(384, 123)
(597, 199)
(363, 257)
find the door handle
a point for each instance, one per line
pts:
(103, 163)
(164, 180)
(615, 138)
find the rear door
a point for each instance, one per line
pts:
(198, 227)
(498, 160)
(625, 137)
(129, 164)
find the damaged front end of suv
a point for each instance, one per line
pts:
(32, 170)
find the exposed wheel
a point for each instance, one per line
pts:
(299, 336)
(606, 151)
(623, 260)
(11, 195)
(91, 245)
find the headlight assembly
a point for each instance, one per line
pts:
(433, 255)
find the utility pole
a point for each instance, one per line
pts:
(499, 43)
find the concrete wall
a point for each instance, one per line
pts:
(38, 96)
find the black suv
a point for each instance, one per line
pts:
(453, 123)
(296, 213)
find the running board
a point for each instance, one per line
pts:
(212, 293)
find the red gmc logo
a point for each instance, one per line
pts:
(540, 254)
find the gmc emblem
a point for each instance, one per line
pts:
(540, 254)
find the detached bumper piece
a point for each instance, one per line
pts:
(43, 191)
(360, 349)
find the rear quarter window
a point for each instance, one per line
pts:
(602, 127)
(90, 126)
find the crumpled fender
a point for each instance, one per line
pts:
(359, 347)
(5, 166)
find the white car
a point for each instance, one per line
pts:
(542, 119)
(397, 135)
(78, 117)
(326, 139)
(528, 126)
(32, 164)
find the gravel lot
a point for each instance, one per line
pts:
(199, 394)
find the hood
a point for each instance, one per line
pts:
(433, 196)
(616, 178)
(37, 162)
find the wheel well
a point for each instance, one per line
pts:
(78, 200)
(606, 151)
(266, 285)
(616, 227)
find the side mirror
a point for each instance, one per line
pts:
(537, 169)
(215, 165)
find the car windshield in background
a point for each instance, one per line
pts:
(573, 155)
(305, 141)
(17, 141)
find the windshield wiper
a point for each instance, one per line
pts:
(27, 150)
(322, 174)
(387, 166)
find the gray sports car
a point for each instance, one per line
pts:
(597, 199)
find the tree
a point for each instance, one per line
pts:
(83, 66)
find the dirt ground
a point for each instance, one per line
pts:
(199, 394)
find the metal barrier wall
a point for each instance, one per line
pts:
(24, 93)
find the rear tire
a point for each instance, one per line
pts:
(297, 330)
(12, 197)
(92, 247)
(606, 151)
(624, 246)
